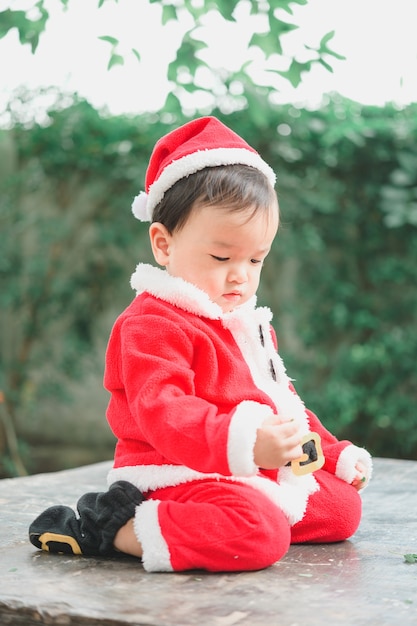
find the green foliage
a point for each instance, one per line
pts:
(61, 252)
(410, 558)
(356, 297)
(399, 197)
(29, 29)
(269, 40)
(115, 57)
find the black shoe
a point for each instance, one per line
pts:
(101, 515)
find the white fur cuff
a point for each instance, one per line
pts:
(156, 557)
(248, 417)
(349, 457)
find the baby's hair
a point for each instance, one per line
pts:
(234, 187)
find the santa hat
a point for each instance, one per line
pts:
(204, 142)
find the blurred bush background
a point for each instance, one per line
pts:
(341, 278)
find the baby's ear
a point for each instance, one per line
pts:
(160, 239)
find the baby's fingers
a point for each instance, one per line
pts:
(359, 481)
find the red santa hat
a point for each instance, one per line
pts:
(204, 142)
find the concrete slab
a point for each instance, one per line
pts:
(361, 582)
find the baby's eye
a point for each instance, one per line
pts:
(219, 258)
(255, 261)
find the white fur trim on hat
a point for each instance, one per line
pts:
(191, 163)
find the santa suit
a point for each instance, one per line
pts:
(190, 385)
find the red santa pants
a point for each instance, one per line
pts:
(227, 526)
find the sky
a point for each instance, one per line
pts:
(377, 37)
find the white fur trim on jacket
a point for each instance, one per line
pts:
(345, 468)
(245, 422)
(156, 557)
(174, 290)
(151, 477)
(260, 358)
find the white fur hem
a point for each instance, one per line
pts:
(151, 477)
(245, 422)
(290, 495)
(156, 557)
(349, 457)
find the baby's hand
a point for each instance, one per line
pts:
(359, 481)
(277, 443)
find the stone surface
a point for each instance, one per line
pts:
(364, 581)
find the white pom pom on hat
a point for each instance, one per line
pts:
(203, 142)
(140, 207)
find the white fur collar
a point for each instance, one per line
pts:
(180, 293)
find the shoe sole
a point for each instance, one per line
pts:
(53, 542)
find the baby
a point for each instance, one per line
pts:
(214, 446)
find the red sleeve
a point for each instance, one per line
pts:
(160, 392)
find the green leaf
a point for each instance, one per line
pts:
(267, 42)
(226, 9)
(109, 39)
(285, 4)
(115, 59)
(29, 30)
(136, 53)
(9, 20)
(326, 38)
(172, 72)
(169, 12)
(270, 42)
(326, 65)
(172, 104)
(187, 57)
(279, 27)
(324, 49)
(410, 558)
(294, 72)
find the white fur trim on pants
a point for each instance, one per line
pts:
(156, 557)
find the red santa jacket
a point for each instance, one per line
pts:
(190, 385)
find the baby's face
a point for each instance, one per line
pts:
(222, 252)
